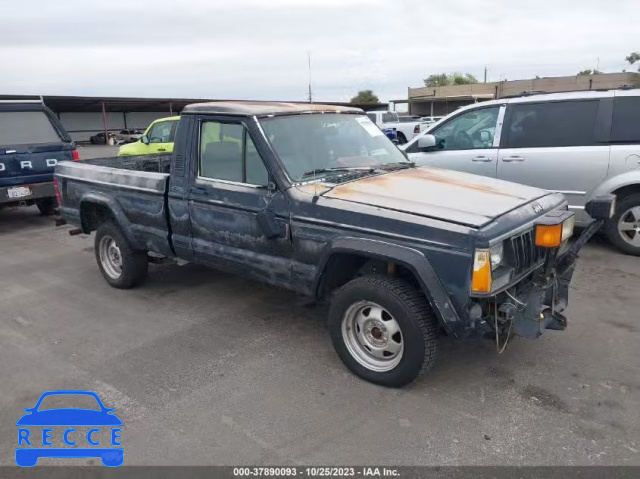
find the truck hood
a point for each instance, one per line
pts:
(448, 195)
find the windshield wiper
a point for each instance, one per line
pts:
(319, 171)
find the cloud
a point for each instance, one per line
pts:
(258, 49)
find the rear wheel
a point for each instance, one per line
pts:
(623, 230)
(383, 329)
(401, 138)
(121, 265)
(47, 206)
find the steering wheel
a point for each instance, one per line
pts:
(463, 140)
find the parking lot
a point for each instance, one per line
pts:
(207, 368)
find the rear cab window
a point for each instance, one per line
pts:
(550, 124)
(26, 128)
(389, 117)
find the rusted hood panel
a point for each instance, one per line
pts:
(437, 193)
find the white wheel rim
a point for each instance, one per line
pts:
(372, 336)
(110, 257)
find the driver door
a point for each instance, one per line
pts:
(466, 142)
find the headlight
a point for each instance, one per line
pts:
(497, 255)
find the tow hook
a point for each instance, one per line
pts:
(557, 321)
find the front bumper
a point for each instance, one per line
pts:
(538, 302)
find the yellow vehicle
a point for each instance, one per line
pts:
(158, 138)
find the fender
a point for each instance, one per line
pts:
(116, 212)
(410, 258)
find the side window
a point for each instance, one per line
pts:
(256, 173)
(228, 153)
(468, 131)
(551, 124)
(625, 125)
(372, 117)
(161, 132)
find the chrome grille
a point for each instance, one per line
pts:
(523, 252)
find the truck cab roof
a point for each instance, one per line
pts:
(263, 108)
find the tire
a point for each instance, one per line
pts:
(47, 206)
(406, 306)
(121, 266)
(627, 211)
(401, 138)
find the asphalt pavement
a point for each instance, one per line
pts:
(207, 368)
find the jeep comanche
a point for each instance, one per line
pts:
(315, 198)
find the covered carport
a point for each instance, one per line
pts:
(84, 116)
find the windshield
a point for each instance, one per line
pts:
(67, 401)
(317, 142)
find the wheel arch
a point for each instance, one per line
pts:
(619, 185)
(96, 209)
(359, 251)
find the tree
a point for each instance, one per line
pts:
(589, 71)
(446, 79)
(437, 80)
(633, 58)
(365, 96)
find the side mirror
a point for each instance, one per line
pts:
(144, 139)
(485, 136)
(270, 225)
(426, 142)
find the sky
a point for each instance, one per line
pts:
(257, 49)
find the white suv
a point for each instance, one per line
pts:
(582, 144)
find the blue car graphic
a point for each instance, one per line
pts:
(28, 456)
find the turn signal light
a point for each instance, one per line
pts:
(553, 235)
(481, 279)
(549, 236)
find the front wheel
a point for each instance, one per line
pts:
(383, 329)
(122, 266)
(623, 230)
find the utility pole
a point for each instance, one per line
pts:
(310, 93)
(485, 74)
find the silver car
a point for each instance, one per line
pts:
(581, 144)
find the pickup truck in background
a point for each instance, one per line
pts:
(32, 142)
(316, 199)
(405, 130)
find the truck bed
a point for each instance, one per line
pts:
(131, 188)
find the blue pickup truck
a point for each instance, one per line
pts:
(32, 142)
(316, 199)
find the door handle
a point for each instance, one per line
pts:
(510, 159)
(484, 159)
(196, 190)
(162, 149)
